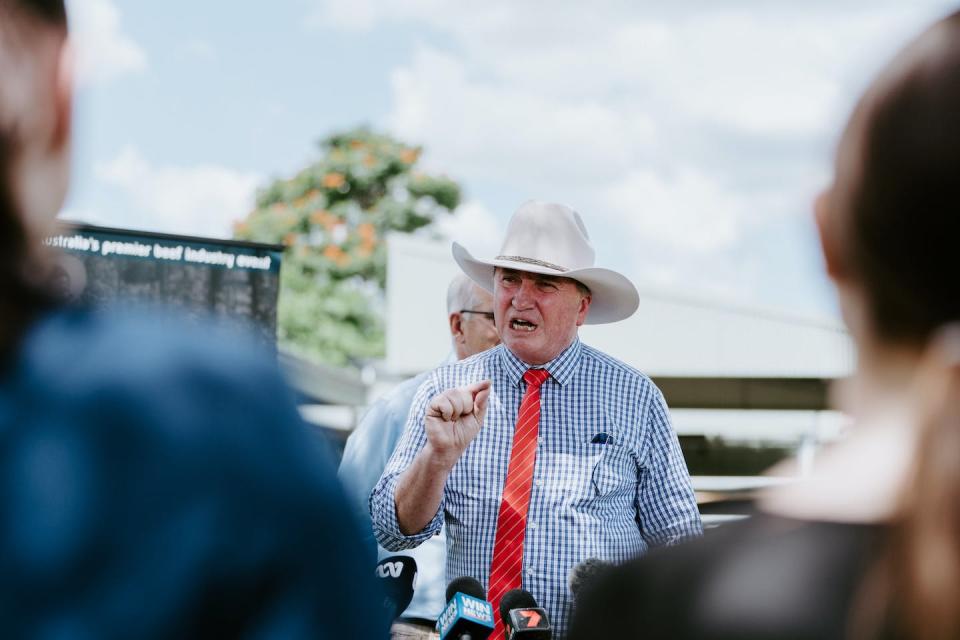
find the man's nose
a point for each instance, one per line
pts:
(523, 298)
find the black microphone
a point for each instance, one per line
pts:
(522, 618)
(584, 576)
(467, 585)
(467, 616)
(397, 576)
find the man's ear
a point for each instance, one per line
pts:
(584, 308)
(63, 96)
(456, 328)
(826, 231)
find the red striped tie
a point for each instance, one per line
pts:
(505, 570)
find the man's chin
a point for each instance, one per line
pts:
(525, 348)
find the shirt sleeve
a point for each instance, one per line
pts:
(383, 503)
(666, 506)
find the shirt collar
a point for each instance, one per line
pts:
(560, 368)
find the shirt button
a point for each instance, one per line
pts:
(538, 482)
(533, 525)
(540, 440)
(530, 571)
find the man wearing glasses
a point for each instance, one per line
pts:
(470, 312)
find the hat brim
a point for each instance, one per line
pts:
(613, 296)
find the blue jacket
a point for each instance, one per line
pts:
(156, 481)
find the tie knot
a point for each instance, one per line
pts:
(535, 377)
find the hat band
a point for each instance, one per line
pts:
(533, 261)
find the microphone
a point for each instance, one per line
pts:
(397, 576)
(467, 616)
(584, 575)
(522, 618)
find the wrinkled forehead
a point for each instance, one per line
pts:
(536, 277)
(560, 282)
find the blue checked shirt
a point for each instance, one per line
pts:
(609, 500)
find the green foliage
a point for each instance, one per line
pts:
(332, 217)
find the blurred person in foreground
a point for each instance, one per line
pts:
(542, 452)
(869, 545)
(155, 481)
(470, 314)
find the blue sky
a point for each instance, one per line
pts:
(691, 135)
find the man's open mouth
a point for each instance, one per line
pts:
(522, 325)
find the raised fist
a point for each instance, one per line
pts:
(454, 418)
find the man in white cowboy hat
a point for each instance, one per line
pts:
(542, 452)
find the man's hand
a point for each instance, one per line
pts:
(452, 421)
(454, 418)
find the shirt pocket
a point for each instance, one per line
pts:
(615, 471)
(567, 474)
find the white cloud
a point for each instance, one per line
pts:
(491, 130)
(688, 211)
(104, 50)
(201, 200)
(740, 71)
(363, 15)
(688, 127)
(475, 227)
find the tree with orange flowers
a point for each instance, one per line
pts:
(332, 217)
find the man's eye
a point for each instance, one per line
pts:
(547, 286)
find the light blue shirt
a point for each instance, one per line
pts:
(609, 482)
(366, 453)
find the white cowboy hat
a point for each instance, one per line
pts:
(543, 237)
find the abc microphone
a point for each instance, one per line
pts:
(467, 616)
(522, 618)
(397, 576)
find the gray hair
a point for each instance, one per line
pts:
(459, 293)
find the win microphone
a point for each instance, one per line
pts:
(522, 618)
(397, 576)
(467, 616)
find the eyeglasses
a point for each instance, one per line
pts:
(486, 314)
